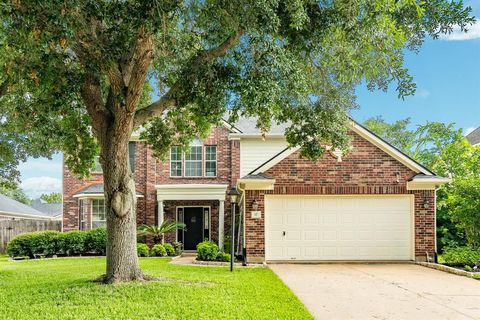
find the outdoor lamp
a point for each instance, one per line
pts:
(254, 205)
(233, 194)
(426, 204)
(233, 199)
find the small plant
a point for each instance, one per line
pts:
(158, 250)
(461, 256)
(169, 249)
(178, 246)
(158, 232)
(468, 268)
(207, 251)
(223, 256)
(142, 250)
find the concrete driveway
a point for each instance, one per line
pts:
(381, 291)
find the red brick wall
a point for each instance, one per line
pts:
(365, 170)
(150, 171)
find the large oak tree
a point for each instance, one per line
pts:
(72, 74)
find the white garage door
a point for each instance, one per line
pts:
(307, 228)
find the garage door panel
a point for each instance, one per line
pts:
(338, 228)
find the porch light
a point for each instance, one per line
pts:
(233, 194)
(254, 205)
(426, 204)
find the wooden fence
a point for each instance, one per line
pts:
(10, 228)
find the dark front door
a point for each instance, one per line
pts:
(193, 235)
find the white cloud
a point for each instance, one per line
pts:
(468, 130)
(459, 35)
(422, 93)
(34, 187)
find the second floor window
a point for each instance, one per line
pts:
(200, 161)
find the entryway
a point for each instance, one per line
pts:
(197, 228)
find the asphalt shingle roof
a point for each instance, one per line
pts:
(49, 209)
(12, 207)
(474, 136)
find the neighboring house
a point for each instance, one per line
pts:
(53, 210)
(374, 203)
(474, 137)
(13, 210)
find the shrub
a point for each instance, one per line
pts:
(74, 242)
(158, 250)
(178, 246)
(35, 243)
(207, 251)
(142, 250)
(461, 256)
(223, 256)
(96, 241)
(169, 249)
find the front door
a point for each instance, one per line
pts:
(193, 235)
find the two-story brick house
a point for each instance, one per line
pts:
(374, 203)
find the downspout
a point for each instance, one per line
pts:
(244, 247)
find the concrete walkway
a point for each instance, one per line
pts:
(381, 291)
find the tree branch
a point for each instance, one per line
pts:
(142, 58)
(168, 100)
(92, 97)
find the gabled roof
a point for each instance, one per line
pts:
(49, 209)
(15, 209)
(474, 137)
(364, 133)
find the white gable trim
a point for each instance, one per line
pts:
(367, 135)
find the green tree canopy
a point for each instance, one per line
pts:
(445, 150)
(72, 74)
(54, 197)
(13, 191)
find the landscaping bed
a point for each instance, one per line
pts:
(459, 260)
(63, 289)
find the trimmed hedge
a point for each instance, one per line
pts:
(169, 249)
(142, 250)
(207, 251)
(96, 241)
(49, 243)
(159, 250)
(72, 243)
(461, 257)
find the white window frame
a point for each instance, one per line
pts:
(215, 161)
(183, 161)
(176, 161)
(195, 144)
(104, 211)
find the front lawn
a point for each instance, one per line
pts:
(62, 289)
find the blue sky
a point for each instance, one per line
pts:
(447, 73)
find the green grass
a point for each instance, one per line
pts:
(62, 289)
(476, 276)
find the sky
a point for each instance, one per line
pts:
(447, 74)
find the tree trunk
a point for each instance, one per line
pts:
(120, 202)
